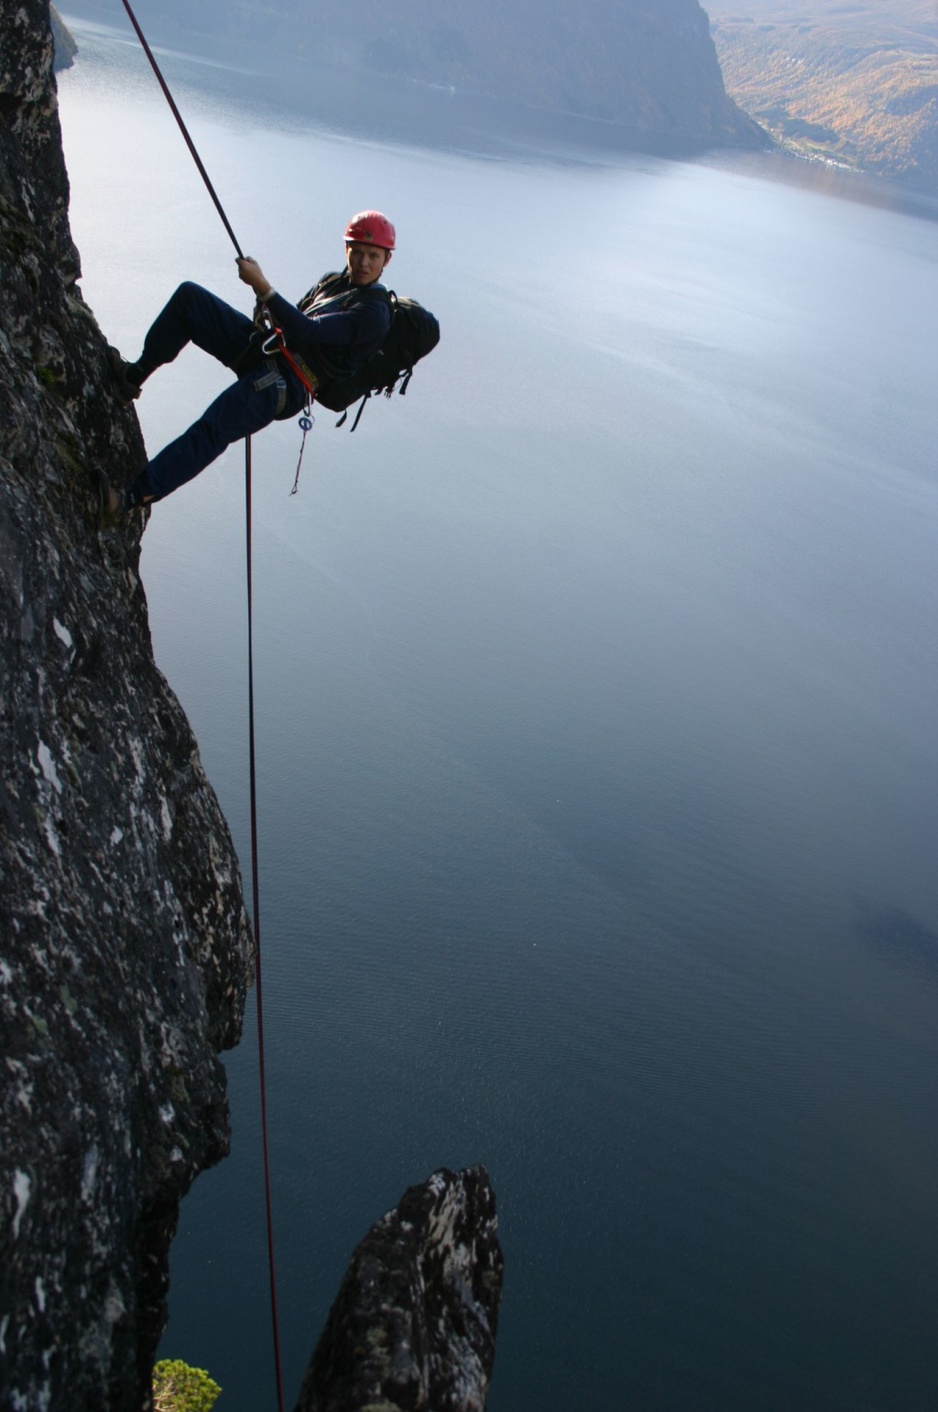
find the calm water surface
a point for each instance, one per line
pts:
(598, 770)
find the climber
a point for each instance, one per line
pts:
(327, 336)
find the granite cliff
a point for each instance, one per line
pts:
(126, 950)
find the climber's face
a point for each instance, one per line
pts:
(365, 262)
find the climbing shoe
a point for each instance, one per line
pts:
(112, 504)
(127, 390)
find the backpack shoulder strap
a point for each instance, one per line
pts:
(333, 289)
(375, 294)
(323, 287)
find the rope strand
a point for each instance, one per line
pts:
(182, 128)
(255, 886)
(255, 877)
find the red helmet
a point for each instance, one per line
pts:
(370, 228)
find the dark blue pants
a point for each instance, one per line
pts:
(271, 391)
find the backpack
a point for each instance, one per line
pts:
(414, 333)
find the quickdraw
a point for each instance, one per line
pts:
(275, 344)
(306, 424)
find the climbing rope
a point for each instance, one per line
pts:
(182, 128)
(255, 884)
(255, 888)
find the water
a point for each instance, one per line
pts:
(598, 772)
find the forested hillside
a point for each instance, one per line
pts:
(853, 83)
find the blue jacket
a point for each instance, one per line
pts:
(336, 326)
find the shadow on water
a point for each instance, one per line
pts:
(903, 941)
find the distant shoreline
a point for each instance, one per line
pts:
(477, 126)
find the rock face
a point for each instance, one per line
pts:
(125, 947)
(64, 47)
(413, 1326)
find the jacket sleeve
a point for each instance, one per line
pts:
(363, 324)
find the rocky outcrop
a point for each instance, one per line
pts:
(64, 47)
(414, 1323)
(126, 951)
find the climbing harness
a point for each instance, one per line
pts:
(275, 343)
(255, 883)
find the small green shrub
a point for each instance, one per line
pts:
(179, 1388)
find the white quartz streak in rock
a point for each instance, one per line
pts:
(22, 1186)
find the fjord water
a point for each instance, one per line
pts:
(596, 702)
